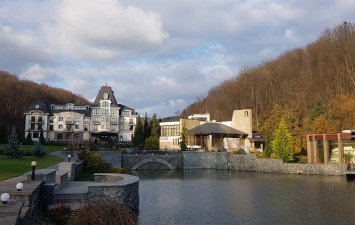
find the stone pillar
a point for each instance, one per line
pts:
(68, 167)
(309, 149)
(326, 149)
(340, 149)
(315, 150)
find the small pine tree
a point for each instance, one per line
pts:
(29, 140)
(183, 142)
(41, 138)
(138, 138)
(12, 147)
(146, 127)
(282, 143)
(38, 149)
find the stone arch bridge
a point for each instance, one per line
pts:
(152, 161)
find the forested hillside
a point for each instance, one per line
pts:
(16, 95)
(313, 88)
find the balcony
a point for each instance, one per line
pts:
(96, 122)
(114, 122)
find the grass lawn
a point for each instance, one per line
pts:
(15, 167)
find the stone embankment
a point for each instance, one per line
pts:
(223, 160)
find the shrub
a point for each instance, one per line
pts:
(103, 214)
(273, 156)
(303, 159)
(241, 151)
(38, 150)
(93, 162)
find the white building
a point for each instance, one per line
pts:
(241, 125)
(105, 120)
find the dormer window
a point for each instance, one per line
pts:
(105, 103)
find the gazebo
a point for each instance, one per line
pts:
(211, 136)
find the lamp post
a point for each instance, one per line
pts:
(19, 186)
(33, 164)
(5, 197)
(69, 156)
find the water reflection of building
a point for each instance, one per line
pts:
(211, 135)
(105, 120)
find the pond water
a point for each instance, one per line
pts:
(225, 197)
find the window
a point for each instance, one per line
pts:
(40, 119)
(246, 113)
(68, 118)
(51, 119)
(105, 104)
(170, 130)
(96, 119)
(95, 112)
(131, 127)
(86, 127)
(105, 111)
(86, 120)
(51, 127)
(35, 135)
(33, 119)
(126, 113)
(102, 126)
(33, 127)
(76, 127)
(60, 119)
(96, 127)
(114, 112)
(130, 121)
(60, 127)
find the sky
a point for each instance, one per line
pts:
(158, 56)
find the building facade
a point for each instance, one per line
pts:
(241, 138)
(105, 120)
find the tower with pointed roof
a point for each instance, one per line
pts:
(111, 121)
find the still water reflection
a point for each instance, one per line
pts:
(224, 197)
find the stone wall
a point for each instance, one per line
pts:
(115, 188)
(169, 161)
(205, 160)
(224, 160)
(253, 164)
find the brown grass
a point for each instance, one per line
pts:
(103, 214)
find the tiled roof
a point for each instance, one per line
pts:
(100, 96)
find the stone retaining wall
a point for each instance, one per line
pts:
(205, 160)
(252, 163)
(224, 160)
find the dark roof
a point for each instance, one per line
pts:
(257, 138)
(171, 119)
(111, 96)
(215, 128)
(38, 105)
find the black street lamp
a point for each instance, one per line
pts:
(33, 164)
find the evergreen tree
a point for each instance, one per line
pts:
(138, 138)
(152, 141)
(41, 138)
(21, 136)
(12, 147)
(146, 127)
(38, 149)
(154, 126)
(282, 143)
(29, 140)
(183, 141)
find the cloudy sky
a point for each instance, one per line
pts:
(158, 55)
